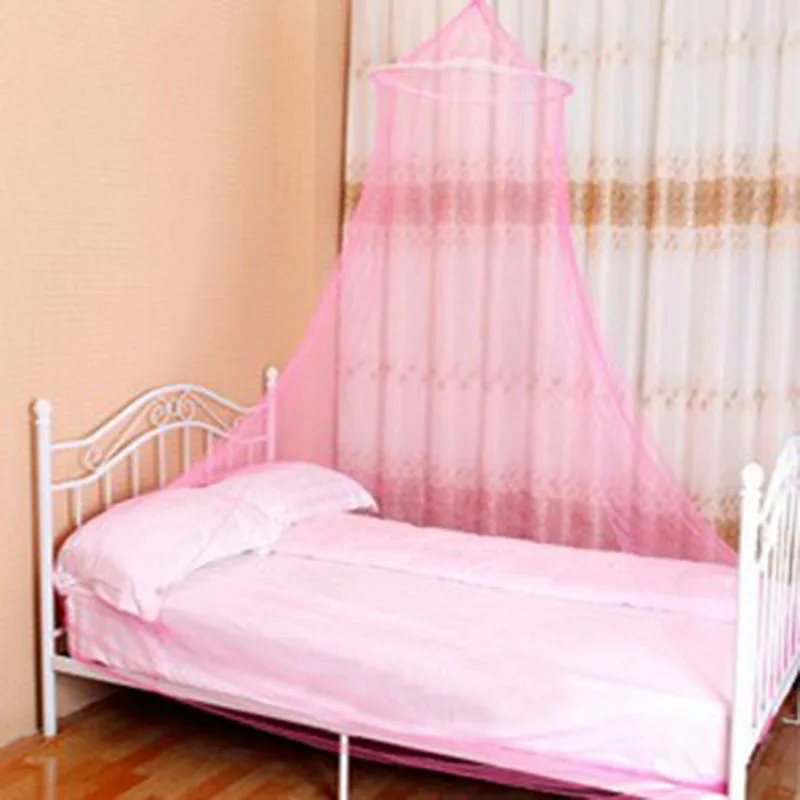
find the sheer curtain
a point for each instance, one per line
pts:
(684, 164)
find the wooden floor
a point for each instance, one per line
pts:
(138, 747)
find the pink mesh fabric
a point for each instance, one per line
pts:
(454, 366)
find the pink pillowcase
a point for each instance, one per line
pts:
(290, 491)
(130, 555)
(133, 553)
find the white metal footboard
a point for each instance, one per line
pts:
(768, 628)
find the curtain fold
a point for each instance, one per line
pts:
(684, 166)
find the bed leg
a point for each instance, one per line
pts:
(49, 702)
(344, 767)
(737, 787)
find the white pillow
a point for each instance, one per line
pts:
(290, 491)
(131, 554)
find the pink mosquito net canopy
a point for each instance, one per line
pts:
(454, 365)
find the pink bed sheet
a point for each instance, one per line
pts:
(517, 678)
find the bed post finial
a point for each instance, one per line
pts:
(271, 416)
(42, 411)
(753, 478)
(270, 379)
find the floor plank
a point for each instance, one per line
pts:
(138, 747)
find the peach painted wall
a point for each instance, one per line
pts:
(169, 192)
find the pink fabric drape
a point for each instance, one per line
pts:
(477, 394)
(455, 366)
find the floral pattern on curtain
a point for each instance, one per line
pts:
(684, 164)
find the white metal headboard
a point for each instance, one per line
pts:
(180, 407)
(159, 416)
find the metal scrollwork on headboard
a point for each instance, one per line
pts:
(152, 416)
(162, 411)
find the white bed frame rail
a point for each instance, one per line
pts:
(768, 631)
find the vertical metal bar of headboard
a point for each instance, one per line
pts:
(161, 457)
(271, 420)
(77, 506)
(44, 496)
(135, 481)
(209, 448)
(107, 489)
(186, 449)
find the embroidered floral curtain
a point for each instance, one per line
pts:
(684, 162)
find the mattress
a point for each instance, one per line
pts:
(518, 680)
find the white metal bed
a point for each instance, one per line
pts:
(165, 419)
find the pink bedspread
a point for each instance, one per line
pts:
(347, 625)
(514, 565)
